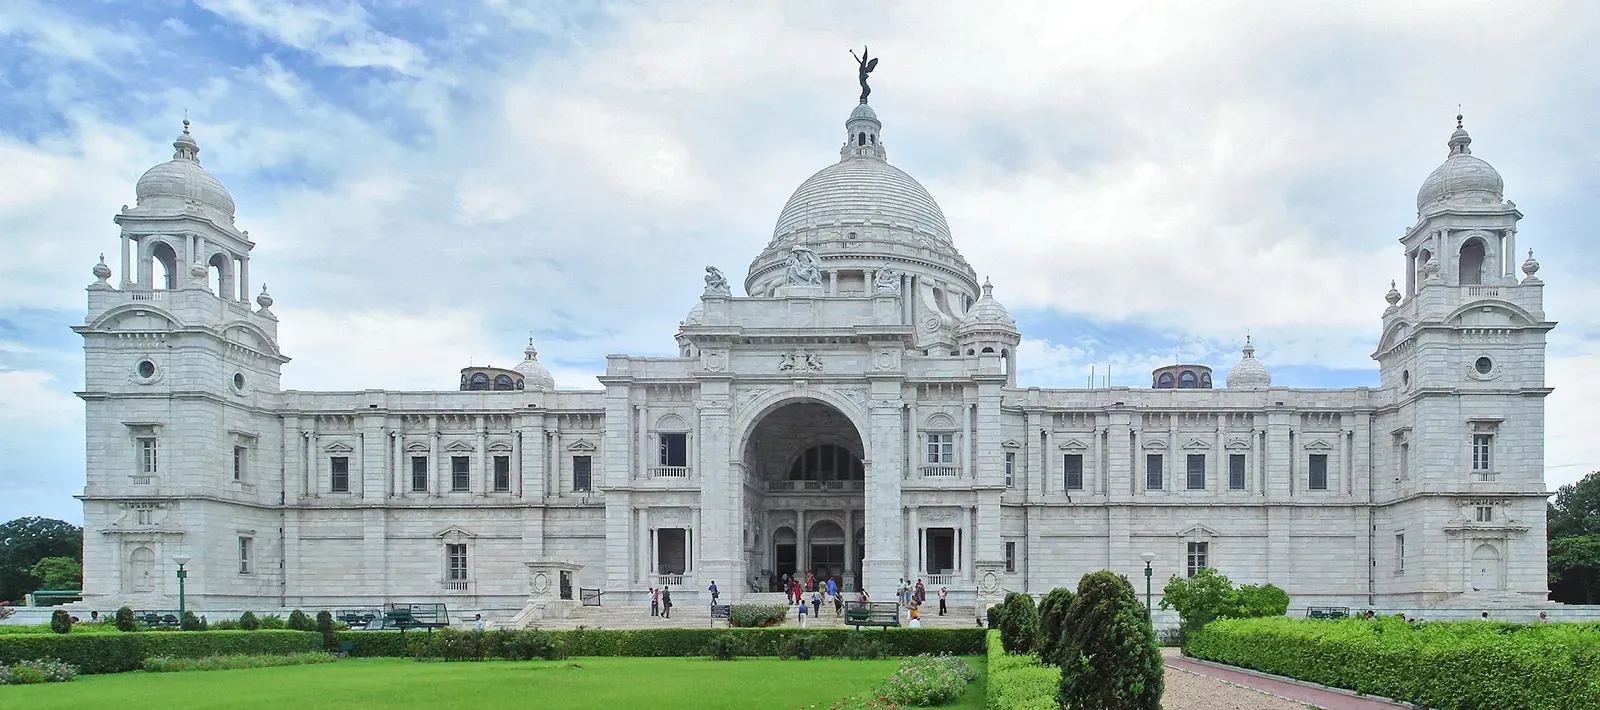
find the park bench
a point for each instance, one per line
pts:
(157, 619)
(355, 618)
(1327, 612)
(881, 614)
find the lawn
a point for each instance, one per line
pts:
(655, 683)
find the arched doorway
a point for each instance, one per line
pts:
(142, 570)
(804, 461)
(1485, 568)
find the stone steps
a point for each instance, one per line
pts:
(699, 616)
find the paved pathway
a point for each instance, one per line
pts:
(1308, 694)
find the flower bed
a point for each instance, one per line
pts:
(168, 664)
(923, 681)
(1469, 665)
(40, 671)
(756, 615)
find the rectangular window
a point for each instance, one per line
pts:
(1152, 472)
(147, 455)
(1199, 554)
(1197, 472)
(1485, 514)
(419, 474)
(1405, 461)
(456, 564)
(244, 555)
(1011, 557)
(502, 474)
(941, 448)
(1235, 472)
(1011, 469)
(1072, 471)
(580, 473)
(674, 450)
(340, 480)
(1400, 552)
(1318, 469)
(238, 463)
(143, 516)
(460, 473)
(1481, 446)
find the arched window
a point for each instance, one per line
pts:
(1471, 263)
(479, 381)
(988, 351)
(502, 382)
(221, 275)
(827, 463)
(164, 261)
(861, 139)
(1165, 381)
(1005, 361)
(1186, 380)
(1205, 380)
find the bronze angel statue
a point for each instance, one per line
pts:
(864, 66)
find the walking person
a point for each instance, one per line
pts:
(666, 603)
(833, 587)
(655, 602)
(921, 594)
(802, 613)
(942, 594)
(816, 602)
(714, 592)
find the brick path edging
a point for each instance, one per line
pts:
(1359, 700)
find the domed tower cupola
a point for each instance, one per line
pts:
(861, 135)
(181, 184)
(534, 375)
(1250, 373)
(1463, 179)
(988, 329)
(1466, 230)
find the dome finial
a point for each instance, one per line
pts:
(185, 148)
(101, 271)
(1249, 349)
(988, 288)
(864, 66)
(1460, 143)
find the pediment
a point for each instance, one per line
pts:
(1318, 445)
(338, 447)
(1238, 444)
(939, 421)
(1199, 531)
(1011, 444)
(580, 445)
(454, 531)
(1155, 444)
(500, 447)
(1196, 445)
(459, 445)
(417, 447)
(1073, 445)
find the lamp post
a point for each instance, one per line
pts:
(182, 575)
(1148, 573)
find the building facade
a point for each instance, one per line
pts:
(857, 415)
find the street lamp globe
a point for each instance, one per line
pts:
(181, 559)
(1148, 557)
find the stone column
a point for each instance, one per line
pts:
(126, 262)
(849, 544)
(1046, 456)
(695, 542)
(913, 442)
(1121, 469)
(641, 554)
(884, 561)
(1511, 254)
(802, 550)
(313, 471)
(914, 549)
(640, 466)
(964, 447)
(435, 485)
(397, 447)
(721, 488)
(964, 555)
(480, 483)
(244, 280)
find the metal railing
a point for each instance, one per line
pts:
(669, 472)
(589, 597)
(940, 471)
(814, 485)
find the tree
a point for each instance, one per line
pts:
(248, 621)
(60, 621)
(325, 627)
(1573, 525)
(58, 573)
(1019, 622)
(1109, 658)
(25, 541)
(1208, 596)
(1052, 625)
(300, 622)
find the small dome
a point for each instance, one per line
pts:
(534, 376)
(863, 111)
(696, 315)
(986, 314)
(1250, 373)
(1463, 177)
(175, 184)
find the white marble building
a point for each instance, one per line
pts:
(857, 413)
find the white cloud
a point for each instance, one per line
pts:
(34, 400)
(339, 33)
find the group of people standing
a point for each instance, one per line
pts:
(913, 596)
(661, 601)
(810, 593)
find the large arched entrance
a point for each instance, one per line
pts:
(806, 501)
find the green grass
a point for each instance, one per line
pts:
(654, 683)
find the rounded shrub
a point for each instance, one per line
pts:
(61, 621)
(249, 622)
(298, 621)
(125, 620)
(1052, 619)
(724, 647)
(190, 622)
(991, 616)
(1019, 623)
(1109, 658)
(325, 627)
(272, 622)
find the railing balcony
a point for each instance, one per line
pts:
(669, 472)
(941, 580)
(1483, 290)
(1484, 476)
(834, 485)
(454, 585)
(154, 295)
(669, 580)
(940, 471)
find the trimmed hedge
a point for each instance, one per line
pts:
(688, 642)
(1468, 665)
(119, 652)
(1019, 682)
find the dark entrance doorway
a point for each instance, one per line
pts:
(783, 553)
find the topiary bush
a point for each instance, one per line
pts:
(61, 621)
(1019, 623)
(1110, 660)
(272, 622)
(1019, 682)
(298, 621)
(1052, 619)
(325, 627)
(249, 622)
(190, 622)
(991, 616)
(226, 625)
(125, 620)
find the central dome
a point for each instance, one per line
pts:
(859, 189)
(181, 182)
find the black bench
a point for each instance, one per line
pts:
(882, 614)
(156, 619)
(1327, 612)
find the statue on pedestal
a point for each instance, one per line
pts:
(803, 267)
(716, 283)
(887, 281)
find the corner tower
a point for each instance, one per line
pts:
(181, 379)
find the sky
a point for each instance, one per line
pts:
(430, 183)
